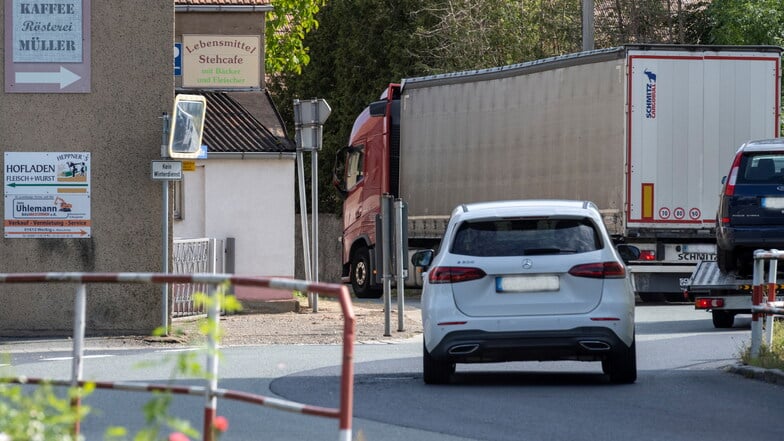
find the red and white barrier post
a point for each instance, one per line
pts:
(344, 414)
(756, 300)
(772, 270)
(80, 311)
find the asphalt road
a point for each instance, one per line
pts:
(682, 392)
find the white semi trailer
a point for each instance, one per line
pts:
(644, 131)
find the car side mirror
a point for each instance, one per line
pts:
(422, 258)
(628, 252)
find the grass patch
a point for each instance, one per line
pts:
(769, 357)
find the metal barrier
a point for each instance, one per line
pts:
(768, 308)
(191, 256)
(211, 391)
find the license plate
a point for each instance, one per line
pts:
(689, 252)
(511, 284)
(773, 203)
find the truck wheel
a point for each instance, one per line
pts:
(622, 367)
(726, 260)
(435, 371)
(361, 276)
(723, 319)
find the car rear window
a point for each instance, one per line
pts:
(520, 237)
(761, 168)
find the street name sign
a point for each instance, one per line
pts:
(167, 170)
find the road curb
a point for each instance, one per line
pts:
(775, 376)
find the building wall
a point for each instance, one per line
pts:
(330, 254)
(251, 200)
(119, 123)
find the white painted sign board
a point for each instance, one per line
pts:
(47, 195)
(167, 170)
(47, 46)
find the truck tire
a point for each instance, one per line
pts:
(723, 319)
(361, 275)
(621, 367)
(726, 260)
(435, 371)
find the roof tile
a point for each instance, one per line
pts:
(231, 128)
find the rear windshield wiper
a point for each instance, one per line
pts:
(539, 251)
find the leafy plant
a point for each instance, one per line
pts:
(38, 413)
(769, 357)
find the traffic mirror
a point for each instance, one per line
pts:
(187, 126)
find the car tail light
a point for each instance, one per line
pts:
(647, 255)
(729, 188)
(703, 303)
(454, 274)
(599, 270)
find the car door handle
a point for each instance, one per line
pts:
(358, 214)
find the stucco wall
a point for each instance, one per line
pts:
(119, 123)
(251, 200)
(330, 258)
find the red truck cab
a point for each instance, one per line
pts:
(362, 175)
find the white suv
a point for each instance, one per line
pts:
(527, 280)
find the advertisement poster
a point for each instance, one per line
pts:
(47, 195)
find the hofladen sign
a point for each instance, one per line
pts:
(47, 195)
(221, 61)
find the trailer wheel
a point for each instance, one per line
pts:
(723, 319)
(726, 260)
(622, 367)
(361, 275)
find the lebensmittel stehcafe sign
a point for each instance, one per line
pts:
(47, 195)
(221, 61)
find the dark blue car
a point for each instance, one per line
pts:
(751, 209)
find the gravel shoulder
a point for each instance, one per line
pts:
(308, 327)
(252, 329)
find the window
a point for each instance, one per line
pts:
(348, 168)
(762, 169)
(355, 163)
(519, 237)
(178, 197)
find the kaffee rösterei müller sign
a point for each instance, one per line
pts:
(47, 46)
(221, 61)
(50, 32)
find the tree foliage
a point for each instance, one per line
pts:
(286, 27)
(741, 22)
(359, 46)
(471, 34)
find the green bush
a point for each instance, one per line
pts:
(37, 413)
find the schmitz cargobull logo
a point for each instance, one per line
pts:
(650, 94)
